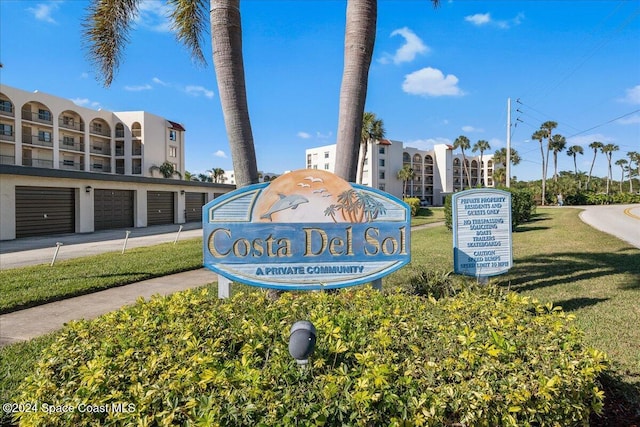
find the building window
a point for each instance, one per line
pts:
(381, 161)
(308, 161)
(67, 140)
(97, 127)
(326, 154)
(173, 151)
(380, 150)
(44, 115)
(326, 166)
(381, 187)
(6, 129)
(97, 165)
(6, 106)
(44, 136)
(381, 175)
(68, 121)
(68, 163)
(172, 135)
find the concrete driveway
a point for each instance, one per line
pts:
(621, 221)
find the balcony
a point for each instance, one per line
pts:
(98, 130)
(72, 125)
(72, 145)
(7, 136)
(38, 163)
(100, 149)
(6, 110)
(70, 165)
(7, 160)
(37, 117)
(37, 140)
(98, 167)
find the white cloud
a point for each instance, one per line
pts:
(471, 129)
(629, 120)
(43, 11)
(478, 18)
(84, 102)
(138, 88)
(84, 75)
(324, 135)
(428, 143)
(199, 90)
(303, 135)
(431, 82)
(154, 16)
(412, 46)
(632, 95)
(159, 82)
(585, 140)
(220, 154)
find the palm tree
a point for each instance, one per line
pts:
(595, 145)
(500, 157)
(539, 136)
(359, 40)
(481, 146)
(372, 130)
(622, 163)
(217, 175)
(608, 150)
(166, 169)
(573, 151)
(557, 144)
(463, 143)
(106, 30)
(634, 157)
(405, 175)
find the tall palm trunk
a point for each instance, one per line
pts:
(358, 50)
(593, 162)
(544, 177)
(365, 148)
(226, 35)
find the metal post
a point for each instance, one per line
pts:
(377, 285)
(508, 165)
(55, 255)
(178, 235)
(126, 237)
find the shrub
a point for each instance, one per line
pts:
(414, 204)
(423, 281)
(190, 359)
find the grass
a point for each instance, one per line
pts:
(557, 258)
(29, 286)
(428, 216)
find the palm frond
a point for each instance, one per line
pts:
(106, 32)
(189, 21)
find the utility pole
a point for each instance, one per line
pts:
(508, 165)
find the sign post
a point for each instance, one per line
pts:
(307, 229)
(482, 245)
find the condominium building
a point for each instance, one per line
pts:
(437, 172)
(65, 168)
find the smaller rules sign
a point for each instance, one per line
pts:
(482, 232)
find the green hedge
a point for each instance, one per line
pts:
(190, 359)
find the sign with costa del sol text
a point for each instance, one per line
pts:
(307, 229)
(482, 232)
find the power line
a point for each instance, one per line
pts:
(605, 123)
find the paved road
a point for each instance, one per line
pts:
(621, 221)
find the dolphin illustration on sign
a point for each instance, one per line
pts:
(286, 202)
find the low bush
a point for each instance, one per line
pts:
(414, 204)
(380, 359)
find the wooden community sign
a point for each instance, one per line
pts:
(307, 229)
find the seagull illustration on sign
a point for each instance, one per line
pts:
(285, 202)
(313, 179)
(322, 190)
(302, 184)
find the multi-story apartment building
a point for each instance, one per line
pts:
(437, 172)
(66, 168)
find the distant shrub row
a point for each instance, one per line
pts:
(590, 198)
(481, 358)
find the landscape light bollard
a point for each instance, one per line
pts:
(302, 341)
(126, 237)
(178, 235)
(55, 254)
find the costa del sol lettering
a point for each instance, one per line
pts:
(307, 229)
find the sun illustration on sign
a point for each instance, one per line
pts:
(311, 195)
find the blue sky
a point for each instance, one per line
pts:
(436, 74)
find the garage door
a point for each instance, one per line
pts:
(43, 211)
(194, 203)
(112, 209)
(160, 207)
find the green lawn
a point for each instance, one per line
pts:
(557, 258)
(428, 216)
